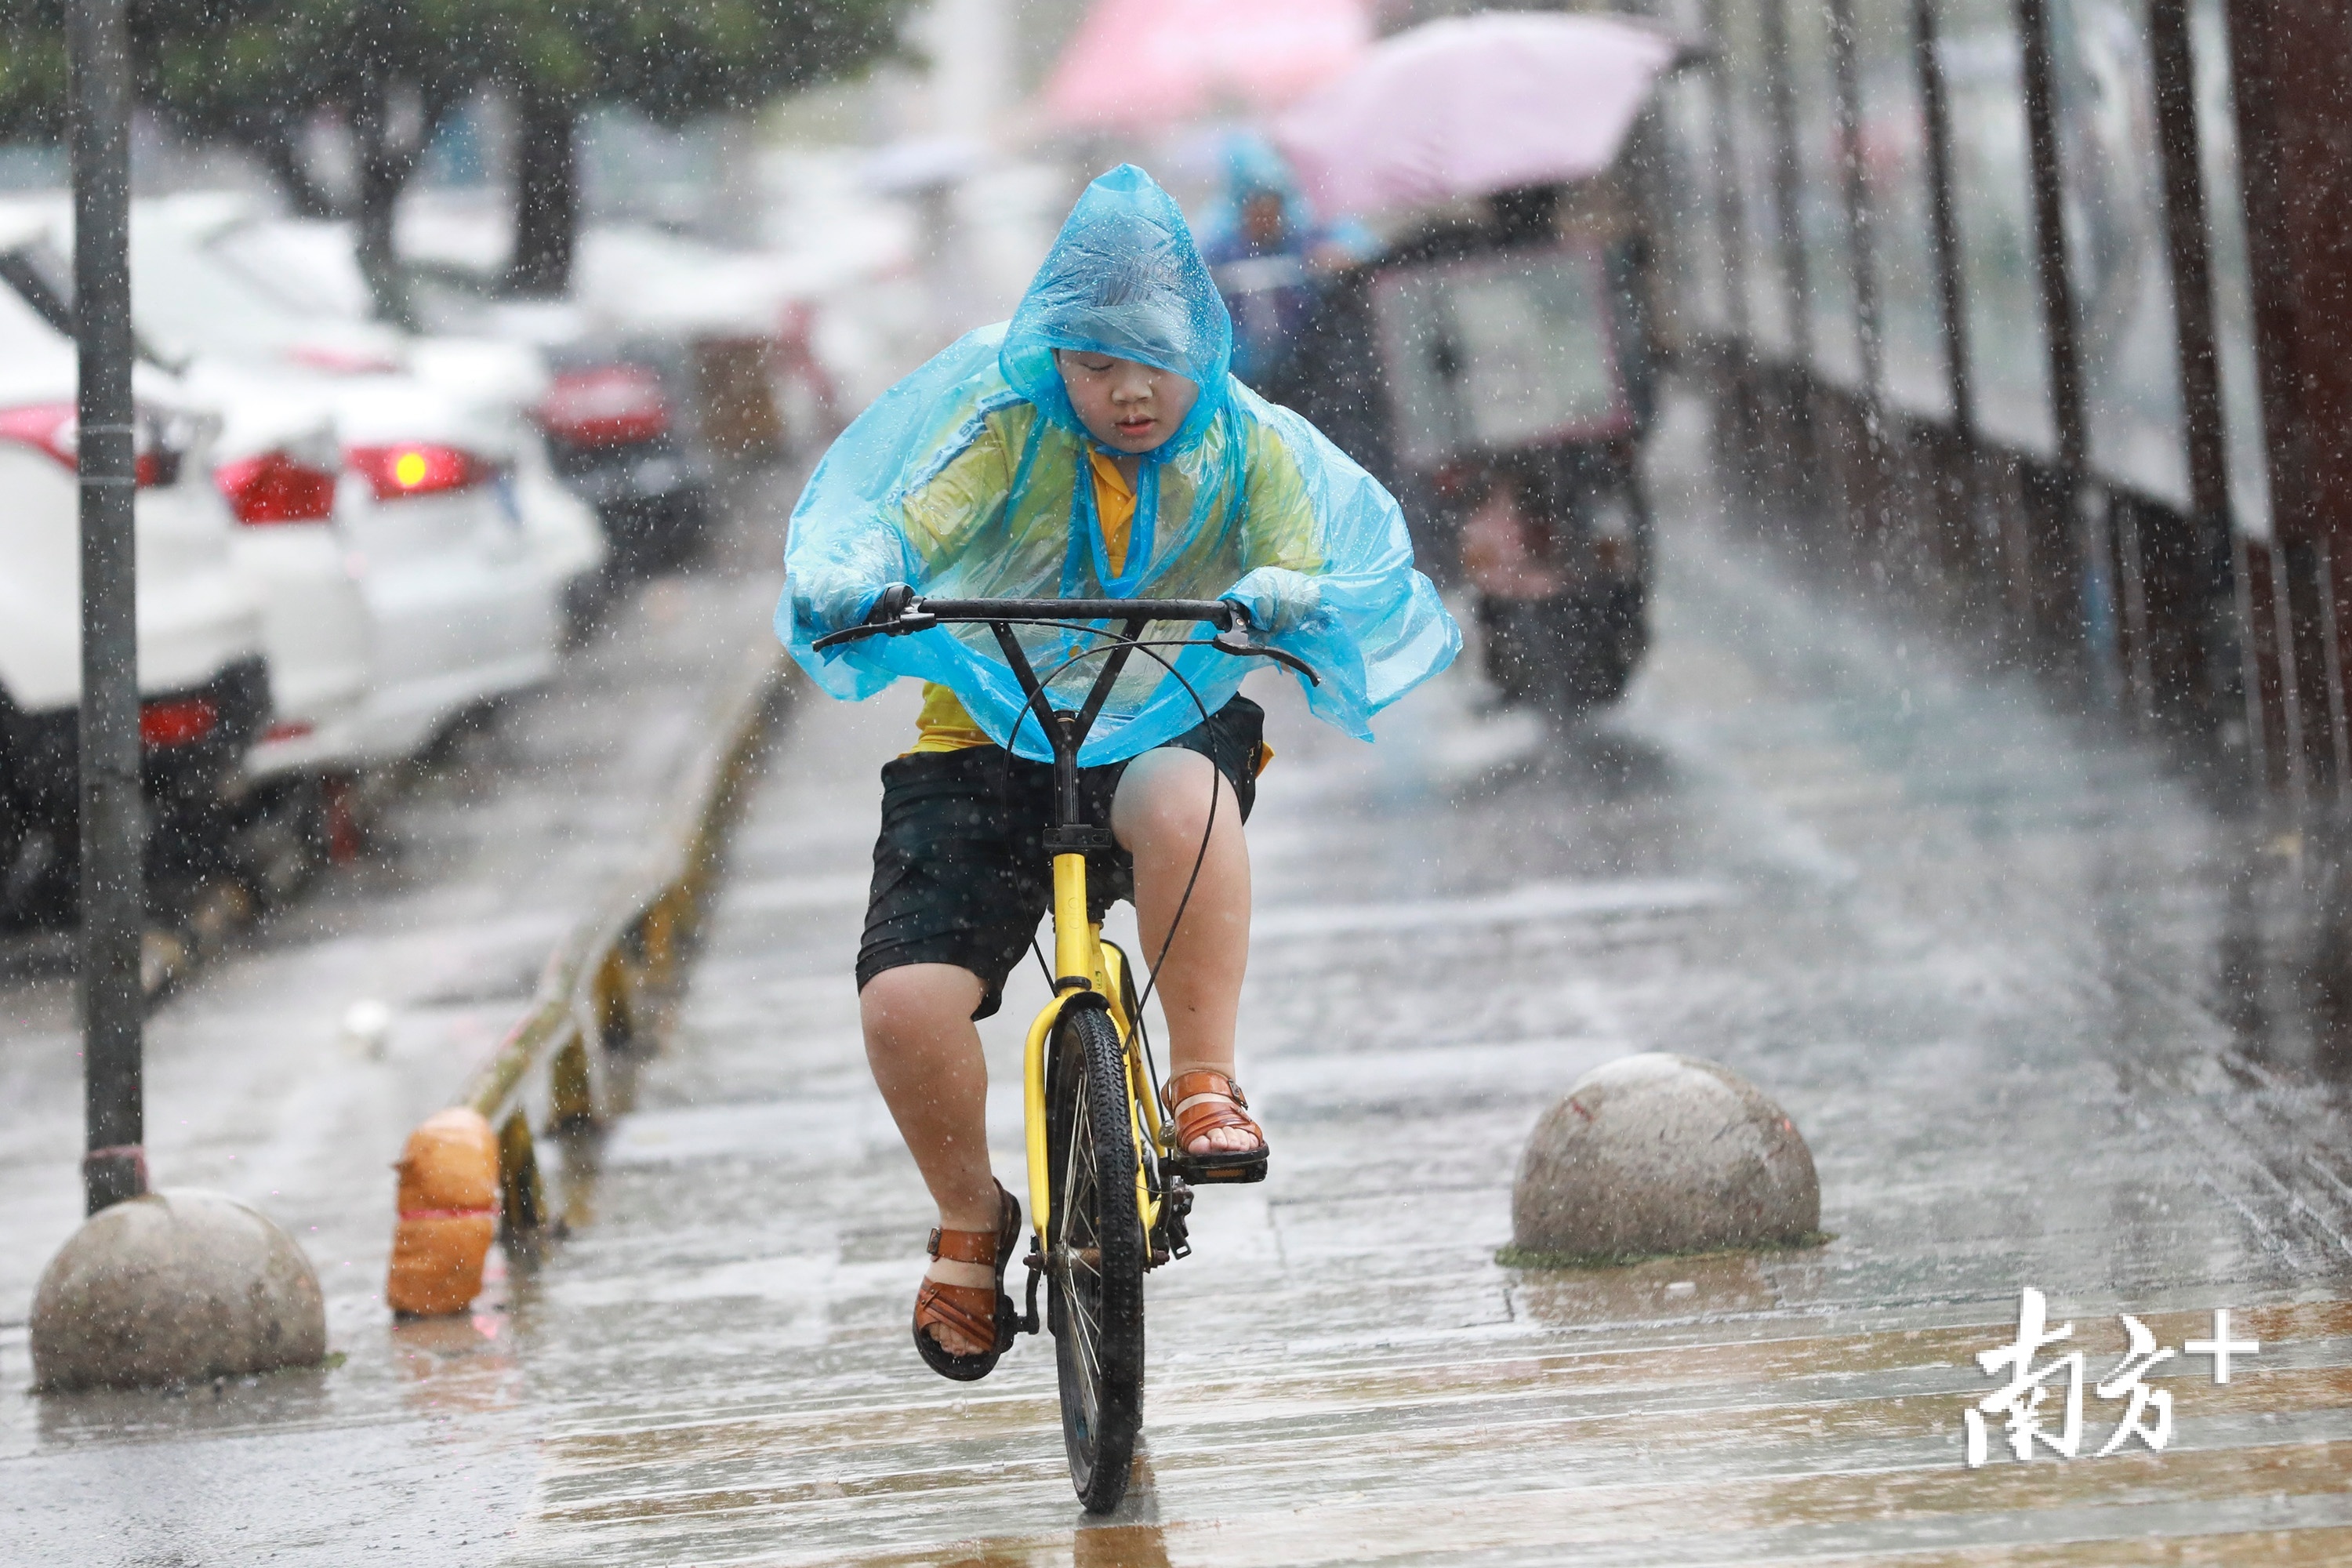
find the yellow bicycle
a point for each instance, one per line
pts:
(1109, 1192)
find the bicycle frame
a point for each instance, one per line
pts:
(1079, 950)
(1087, 972)
(1103, 1250)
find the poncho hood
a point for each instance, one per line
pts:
(1124, 278)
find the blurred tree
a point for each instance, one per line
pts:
(264, 73)
(672, 59)
(271, 74)
(32, 71)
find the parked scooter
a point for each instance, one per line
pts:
(1495, 369)
(1497, 375)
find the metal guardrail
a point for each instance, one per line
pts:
(601, 987)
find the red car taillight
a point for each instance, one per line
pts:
(182, 722)
(54, 429)
(276, 488)
(417, 470)
(611, 405)
(47, 427)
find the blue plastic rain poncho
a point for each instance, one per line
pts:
(970, 479)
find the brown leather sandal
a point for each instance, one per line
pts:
(1202, 1102)
(976, 1311)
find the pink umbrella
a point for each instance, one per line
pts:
(1473, 105)
(1135, 65)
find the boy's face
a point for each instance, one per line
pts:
(1127, 407)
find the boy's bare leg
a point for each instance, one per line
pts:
(926, 1057)
(1159, 814)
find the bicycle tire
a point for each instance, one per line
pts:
(1095, 1255)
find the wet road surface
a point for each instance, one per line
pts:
(1993, 965)
(417, 1441)
(1987, 960)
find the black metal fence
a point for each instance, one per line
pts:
(1970, 282)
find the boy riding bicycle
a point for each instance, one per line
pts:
(1093, 447)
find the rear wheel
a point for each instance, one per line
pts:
(1095, 1255)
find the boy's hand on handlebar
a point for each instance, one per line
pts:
(896, 611)
(890, 603)
(899, 610)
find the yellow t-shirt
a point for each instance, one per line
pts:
(943, 725)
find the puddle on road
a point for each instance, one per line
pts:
(1791, 1444)
(1731, 1282)
(457, 1365)
(1525, 904)
(219, 1405)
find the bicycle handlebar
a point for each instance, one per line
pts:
(1220, 612)
(899, 612)
(896, 613)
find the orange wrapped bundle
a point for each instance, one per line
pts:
(448, 1213)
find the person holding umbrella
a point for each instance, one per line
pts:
(1272, 262)
(1495, 369)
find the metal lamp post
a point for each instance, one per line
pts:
(169, 1288)
(114, 896)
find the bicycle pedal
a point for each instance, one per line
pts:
(1036, 1265)
(1200, 1176)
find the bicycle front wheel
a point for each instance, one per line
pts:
(1095, 1253)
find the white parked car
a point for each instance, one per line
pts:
(279, 467)
(455, 605)
(445, 595)
(203, 683)
(207, 241)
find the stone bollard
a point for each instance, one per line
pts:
(175, 1287)
(1657, 1154)
(448, 1214)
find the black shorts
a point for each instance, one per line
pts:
(960, 874)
